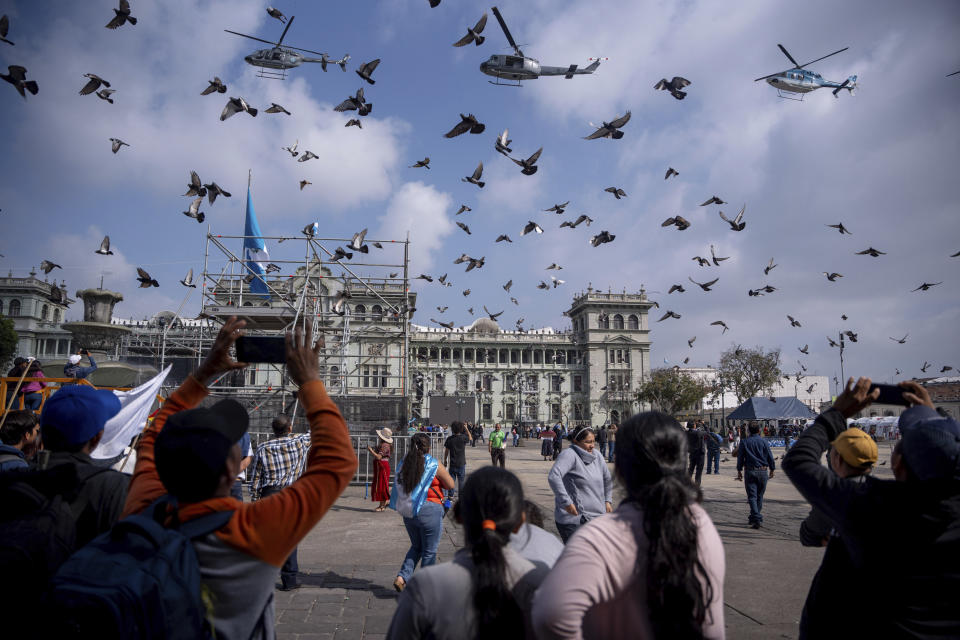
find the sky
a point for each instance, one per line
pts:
(883, 162)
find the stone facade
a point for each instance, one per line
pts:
(37, 308)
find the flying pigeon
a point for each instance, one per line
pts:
(679, 222)
(531, 227)
(851, 335)
(927, 285)
(502, 144)
(463, 208)
(17, 76)
(832, 342)
(442, 309)
(673, 86)
(832, 277)
(93, 84)
(464, 227)
(355, 102)
(356, 242)
(720, 323)
(122, 15)
(473, 35)
(311, 229)
(491, 315)
(716, 260)
(926, 365)
(870, 251)
(811, 387)
(793, 322)
(442, 279)
(194, 210)
(236, 105)
(737, 223)
(446, 325)
(839, 227)
(669, 314)
(617, 192)
(188, 280)
(602, 238)
(104, 249)
(214, 190)
(215, 85)
(424, 276)
(805, 350)
(463, 258)
(145, 280)
(475, 178)
(116, 143)
(366, 70)
(610, 129)
(4, 29)
(504, 237)
(558, 208)
(507, 286)
(573, 225)
(676, 287)
(704, 285)
(770, 267)
(691, 341)
(754, 292)
(514, 301)
(529, 166)
(424, 163)
(902, 340)
(466, 292)
(275, 13)
(556, 281)
(701, 262)
(476, 263)
(671, 172)
(945, 369)
(104, 94)
(195, 186)
(307, 155)
(276, 108)
(272, 268)
(554, 265)
(353, 122)
(467, 123)
(293, 150)
(304, 183)
(543, 285)
(843, 317)
(713, 200)
(46, 266)
(339, 254)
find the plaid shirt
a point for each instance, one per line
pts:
(278, 462)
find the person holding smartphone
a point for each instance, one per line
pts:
(73, 369)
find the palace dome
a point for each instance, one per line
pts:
(484, 325)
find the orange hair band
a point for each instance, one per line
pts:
(489, 524)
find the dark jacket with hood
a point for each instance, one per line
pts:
(902, 538)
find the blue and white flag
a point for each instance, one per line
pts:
(254, 250)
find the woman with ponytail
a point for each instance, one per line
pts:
(418, 496)
(486, 591)
(652, 569)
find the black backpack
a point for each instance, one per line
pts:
(141, 579)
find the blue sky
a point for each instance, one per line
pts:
(883, 161)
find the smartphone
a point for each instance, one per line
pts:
(261, 349)
(889, 394)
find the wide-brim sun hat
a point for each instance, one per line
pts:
(385, 434)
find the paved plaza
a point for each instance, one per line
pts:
(350, 559)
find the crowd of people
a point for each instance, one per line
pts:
(651, 567)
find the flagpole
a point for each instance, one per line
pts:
(249, 178)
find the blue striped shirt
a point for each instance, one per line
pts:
(278, 462)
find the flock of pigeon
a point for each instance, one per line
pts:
(469, 123)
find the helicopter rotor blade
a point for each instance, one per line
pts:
(824, 57)
(506, 32)
(286, 46)
(284, 34)
(246, 36)
(953, 74)
(773, 74)
(786, 53)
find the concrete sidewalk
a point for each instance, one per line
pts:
(350, 559)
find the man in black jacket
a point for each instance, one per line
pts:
(902, 536)
(696, 448)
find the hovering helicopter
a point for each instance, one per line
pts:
(800, 80)
(520, 67)
(274, 62)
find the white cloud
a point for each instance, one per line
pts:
(422, 211)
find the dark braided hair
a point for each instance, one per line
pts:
(651, 457)
(414, 461)
(494, 494)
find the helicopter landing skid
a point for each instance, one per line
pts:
(272, 74)
(780, 93)
(504, 84)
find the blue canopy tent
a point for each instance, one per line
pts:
(783, 408)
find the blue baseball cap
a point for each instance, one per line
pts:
(930, 443)
(78, 412)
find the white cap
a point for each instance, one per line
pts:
(74, 359)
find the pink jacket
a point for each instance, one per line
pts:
(34, 386)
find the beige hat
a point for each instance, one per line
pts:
(856, 448)
(385, 434)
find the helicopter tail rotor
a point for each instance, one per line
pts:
(850, 84)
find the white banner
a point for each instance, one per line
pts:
(134, 408)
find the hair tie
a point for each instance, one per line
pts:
(489, 524)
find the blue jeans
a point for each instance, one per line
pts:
(713, 461)
(32, 401)
(610, 447)
(424, 530)
(236, 491)
(755, 482)
(603, 449)
(291, 567)
(458, 473)
(566, 530)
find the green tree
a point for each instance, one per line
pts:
(8, 343)
(746, 371)
(670, 390)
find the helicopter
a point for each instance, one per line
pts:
(520, 67)
(274, 62)
(798, 80)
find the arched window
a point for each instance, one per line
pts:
(377, 312)
(56, 315)
(618, 322)
(633, 322)
(603, 321)
(44, 312)
(359, 310)
(14, 308)
(334, 375)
